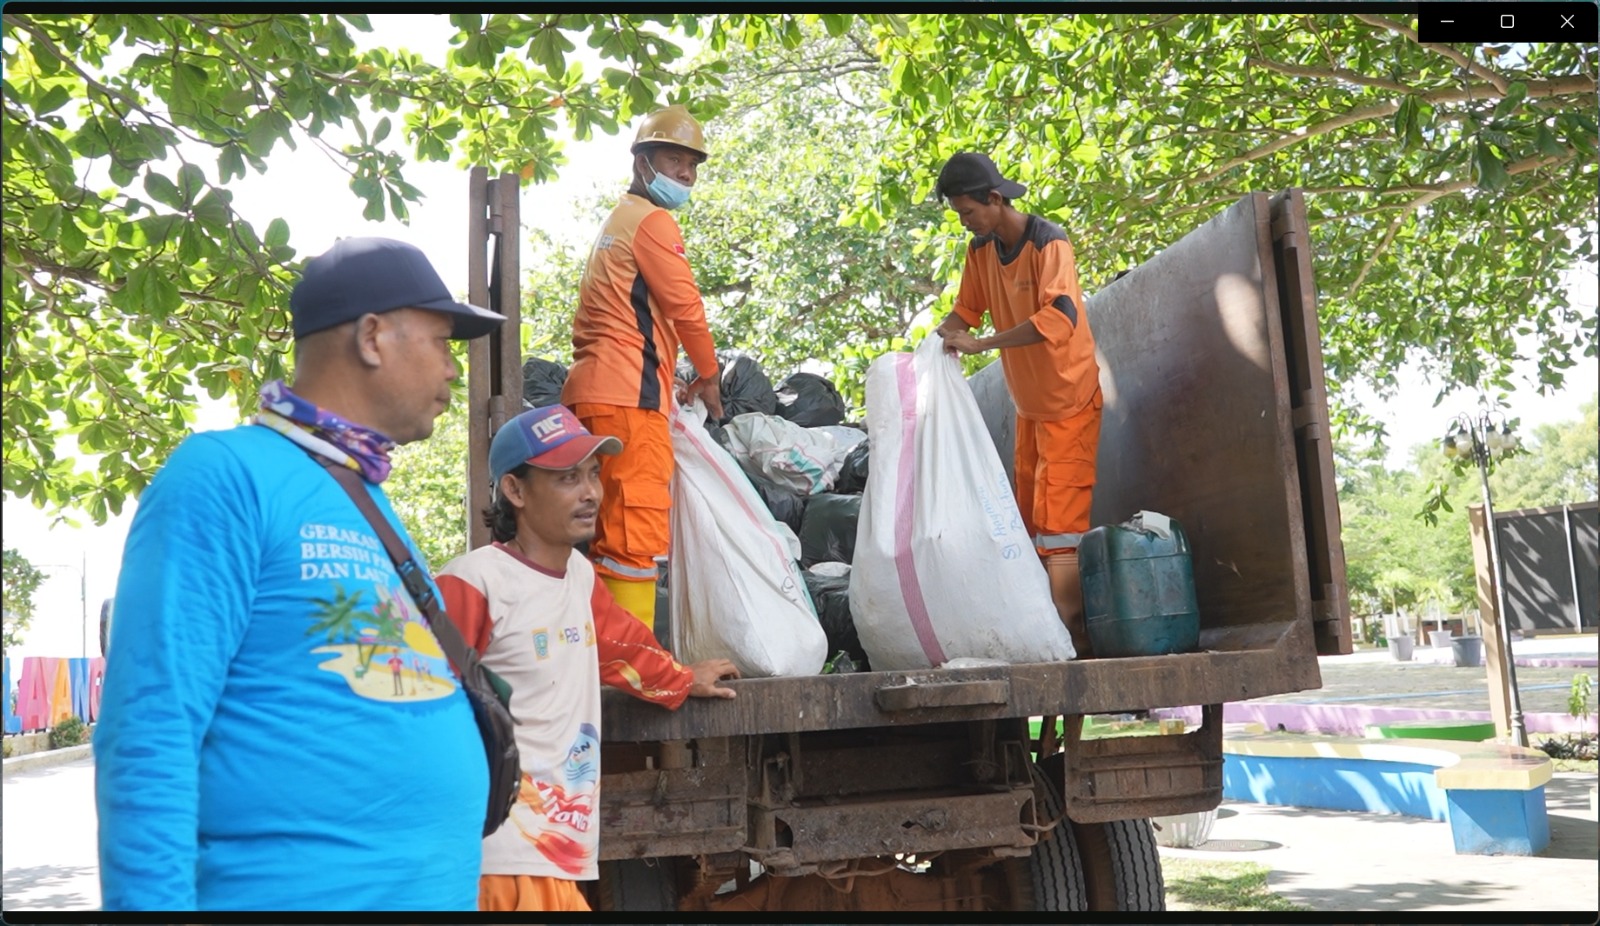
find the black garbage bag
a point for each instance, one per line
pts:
(810, 401)
(785, 506)
(745, 386)
(831, 594)
(828, 530)
(852, 478)
(542, 381)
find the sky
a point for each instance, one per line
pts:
(311, 194)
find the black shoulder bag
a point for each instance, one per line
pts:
(489, 694)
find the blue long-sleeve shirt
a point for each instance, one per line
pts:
(278, 728)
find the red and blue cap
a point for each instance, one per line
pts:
(550, 437)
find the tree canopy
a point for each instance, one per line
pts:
(21, 580)
(1449, 186)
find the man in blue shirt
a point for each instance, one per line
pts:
(254, 750)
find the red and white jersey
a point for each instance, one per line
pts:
(555, 637)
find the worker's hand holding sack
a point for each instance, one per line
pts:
(943, 565)
(737, 591)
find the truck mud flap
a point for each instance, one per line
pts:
(1130, 777)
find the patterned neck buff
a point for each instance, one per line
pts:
(362, 449)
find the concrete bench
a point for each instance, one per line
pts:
(1491, 794)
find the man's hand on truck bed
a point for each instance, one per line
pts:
(706, 676)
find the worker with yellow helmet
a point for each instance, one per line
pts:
(637, 302)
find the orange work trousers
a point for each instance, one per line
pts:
(504, 893)
(1055, 476)
(634, 526)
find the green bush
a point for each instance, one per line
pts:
(69, 732)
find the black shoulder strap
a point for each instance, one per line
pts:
(413, 575)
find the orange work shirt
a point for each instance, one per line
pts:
(1038, 282)
(637, 301)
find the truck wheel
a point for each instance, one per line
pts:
(1053, 867)
(1119, 858)
(638, 884)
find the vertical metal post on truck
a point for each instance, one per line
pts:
(494, 363)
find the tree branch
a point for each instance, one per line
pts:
(1438, 190)
(1536, 90)
(1496, 80)
(1331, 73)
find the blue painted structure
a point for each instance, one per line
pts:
(1492, 820)
(13, 723)
(1336, 784)
(1499, 822)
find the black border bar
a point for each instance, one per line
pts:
(1497, 22)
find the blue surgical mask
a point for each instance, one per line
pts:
(668, 192)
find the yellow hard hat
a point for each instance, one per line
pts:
(671, 126)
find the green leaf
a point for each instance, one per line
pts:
(1545, 142)
(52, 100)
(70, 238)
(212, 211)
(45, 219)
(163, 190)
(1491, 171)
(277, 233)
(230, 164)
(191, 180)
(1516, 92)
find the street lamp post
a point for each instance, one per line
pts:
(1480, 438)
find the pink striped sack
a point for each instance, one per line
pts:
(944, 568)
(736, 587)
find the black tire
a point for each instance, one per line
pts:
(1137, 865)
(1054, 866)
(1134, 859)
(638, 884)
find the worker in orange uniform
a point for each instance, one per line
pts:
(637, 302)
(1021, 272)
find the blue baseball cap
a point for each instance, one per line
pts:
(551, 437)
(360, 276)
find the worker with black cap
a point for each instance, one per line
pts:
(637, 302)
(1021, 272)
(241, 706)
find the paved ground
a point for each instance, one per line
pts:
(48, 840)
(1330, 860)
(1373, 678)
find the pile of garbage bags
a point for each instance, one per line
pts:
(849, 568)
(805, 461)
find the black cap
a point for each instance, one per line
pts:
(970, 172)
(358, 276)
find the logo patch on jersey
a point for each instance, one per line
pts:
(541, 643)
(679, 249)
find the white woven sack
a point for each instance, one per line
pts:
(944, 568)
(804, 461)
(737, 591)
